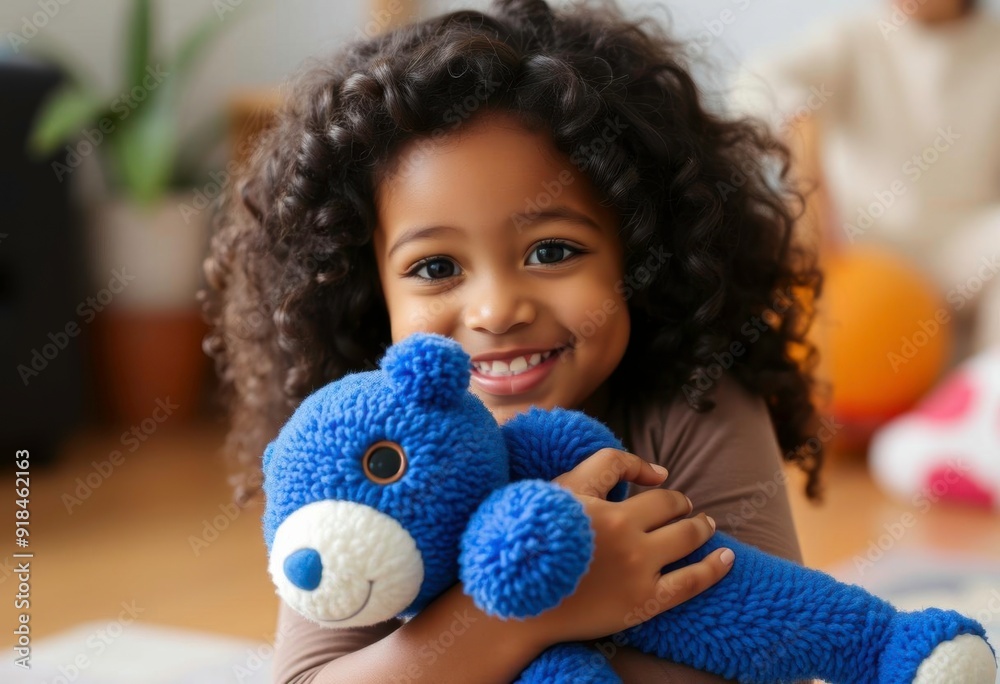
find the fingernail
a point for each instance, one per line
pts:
(690, 504)
(727, 557)
(711, 521)
(658, 468)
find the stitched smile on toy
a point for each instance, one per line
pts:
(371, 586)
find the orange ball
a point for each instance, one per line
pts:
(884, 334)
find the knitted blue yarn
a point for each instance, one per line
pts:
(914, 635)
(452, 462)
(771, 620)
(550, 443)
(571, 663)
(525, 549)
(429, 369)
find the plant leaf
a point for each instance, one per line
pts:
(138, 40)
(63, 116)
(196, 41)
(145, 149)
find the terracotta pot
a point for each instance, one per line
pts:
(148, 359)
(146, 270)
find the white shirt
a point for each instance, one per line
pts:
(910, 116)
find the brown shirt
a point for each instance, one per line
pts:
(728, 463)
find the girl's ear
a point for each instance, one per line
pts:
(429, 369)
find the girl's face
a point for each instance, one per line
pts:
(934, 11)
(491, 236)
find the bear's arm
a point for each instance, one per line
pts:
(544, 444)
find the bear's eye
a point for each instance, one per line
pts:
(384, 462)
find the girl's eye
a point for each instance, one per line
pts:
(552, 252)
(545, 253)
(436, 268)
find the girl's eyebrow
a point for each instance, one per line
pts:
(420, 233)
(557, 213)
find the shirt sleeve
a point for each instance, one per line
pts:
(302, 647)
(728, 462)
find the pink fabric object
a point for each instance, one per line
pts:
(948, 447)
(950, 402)
(955, 485)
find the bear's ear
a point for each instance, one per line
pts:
(429, 369)
(268, 453)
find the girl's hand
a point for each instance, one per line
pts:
(634, 539)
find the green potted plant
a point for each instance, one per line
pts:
(148, 336)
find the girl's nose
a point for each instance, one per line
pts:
(498, 307)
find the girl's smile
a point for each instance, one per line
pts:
(491, 236)
(515, 371)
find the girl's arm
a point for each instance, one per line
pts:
(729, 463)
(452, 641)
(301, 647)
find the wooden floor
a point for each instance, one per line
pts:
(157, 532)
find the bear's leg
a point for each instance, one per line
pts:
(936, 646)
(770, 620)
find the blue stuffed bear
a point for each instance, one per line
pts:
(387, 486)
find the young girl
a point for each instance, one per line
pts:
(546, 188)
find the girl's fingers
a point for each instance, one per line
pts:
(679, 585)
(676, 540)
(657, 507)
(598, 474)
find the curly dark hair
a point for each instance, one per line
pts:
(294, 296)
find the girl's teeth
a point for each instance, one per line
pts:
(514, 366)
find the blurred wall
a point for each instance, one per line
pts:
(264, 44)
(268, 40)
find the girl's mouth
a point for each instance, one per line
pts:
(516, 365)
(516, 375)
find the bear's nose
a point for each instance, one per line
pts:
(304, 568)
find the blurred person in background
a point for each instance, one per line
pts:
(894, 115)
